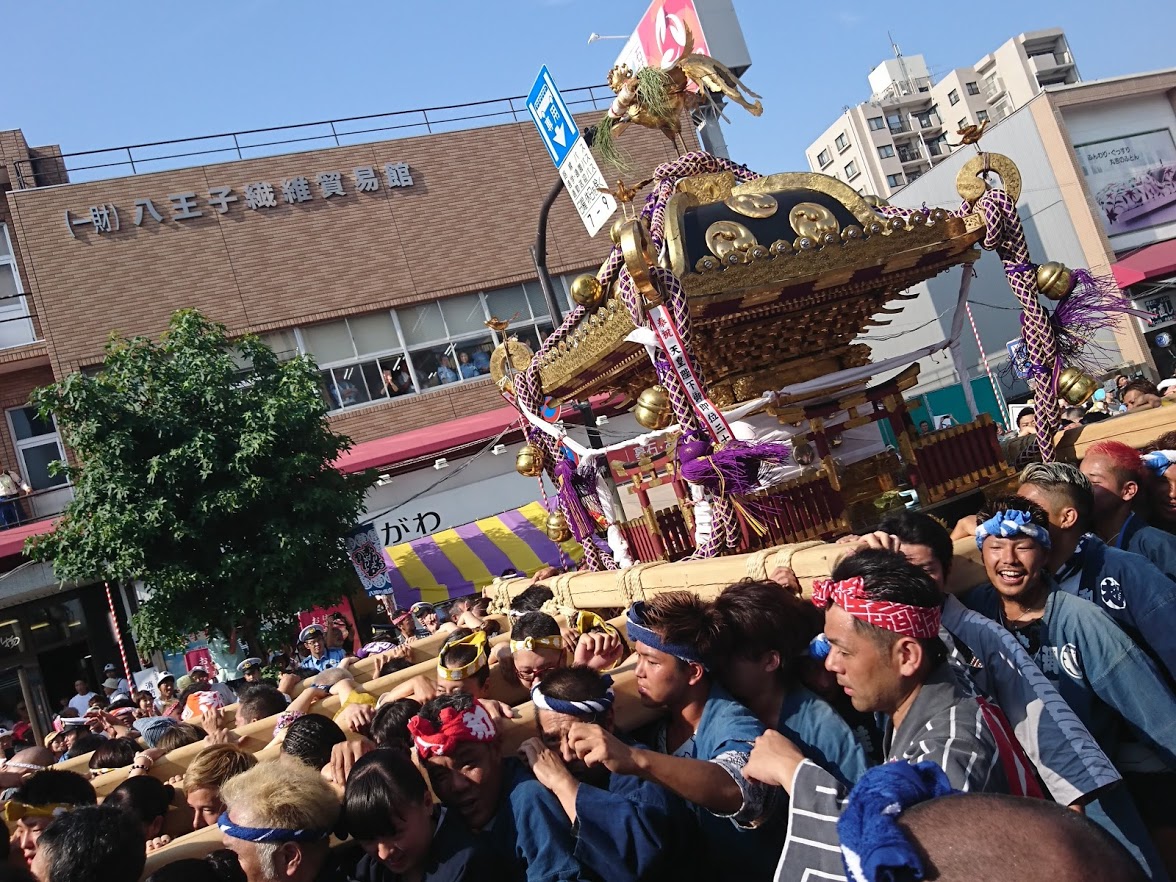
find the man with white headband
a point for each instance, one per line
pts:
(701, 744)
(626, 828)
(1106, 678)
(882, 622)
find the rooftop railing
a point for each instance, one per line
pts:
(153, 156)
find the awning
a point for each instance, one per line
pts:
(466, 559)
(1151, 262)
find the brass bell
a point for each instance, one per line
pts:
(557, 527)
(587, 291)
(653, 409)
(529, 461)
(1054, 280)
(614, 232)
(1076, 387)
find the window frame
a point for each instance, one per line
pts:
(953, 97)
(20, 445)
(827, 161)
(972, 88)
(981, 115)
(890, 182)
(882, 147)
(881, 120)
(21, 299)
(837, 142)
(850, 175)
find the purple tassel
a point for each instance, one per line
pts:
(1094, 303)
(579, 519)
(734, 469)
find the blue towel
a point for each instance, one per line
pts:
(873, 846)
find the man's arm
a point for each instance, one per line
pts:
(702, 782)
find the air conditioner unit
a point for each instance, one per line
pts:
(441, 463)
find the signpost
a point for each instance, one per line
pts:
(570, 153)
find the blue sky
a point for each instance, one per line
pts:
(142, 70)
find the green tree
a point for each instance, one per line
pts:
(211, 484)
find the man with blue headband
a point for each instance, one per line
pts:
(701, 745)
(278, 820)
(627, 828)
(1108, 680)
(1128, 587)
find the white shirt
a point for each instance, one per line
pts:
(81, 703)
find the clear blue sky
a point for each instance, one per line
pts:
(142, 70)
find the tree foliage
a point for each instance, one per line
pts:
(211, 484)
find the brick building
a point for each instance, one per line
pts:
(383, 260)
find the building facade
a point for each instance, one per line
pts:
(911, 121)
(1098, 162)
(382, 260)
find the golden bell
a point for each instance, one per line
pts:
(1076, 387)
(614, 232)
(653, 409)
(529, 461)
(1054, 280)
(557, 527)
(587, 291)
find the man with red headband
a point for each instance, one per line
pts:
(521, 821)
(882, 620)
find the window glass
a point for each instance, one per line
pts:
(8, 281)
(328, 391)
(537, 300)
(505, 303)
(850, 170)
(36, 462)
(56, 623)
(824, 158)
(981, 115)
(954, 97)
(435, 366)
(352, 387)
(473, 358)
(395, 379)
(534, 337)
(328, 342)
(973, 89)
(886, 151)
(283, 343)
(842, 142)
(374, 333)
(5, 248)
(422, 323)
(26, 424)
(463, 315)
(876, 123)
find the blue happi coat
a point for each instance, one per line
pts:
(822, 735)
(1108, 681)
(1131, 590)
(1158, 546)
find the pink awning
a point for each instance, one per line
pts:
(1151, 262)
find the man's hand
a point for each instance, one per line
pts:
(344, 756)
(356, 717)
(880, 541)
(157, 843)
(596, 747)
(598, 651)
(785, 578)
(498, 710)
(773, 760)
(550, 771)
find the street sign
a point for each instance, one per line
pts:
(570, 153)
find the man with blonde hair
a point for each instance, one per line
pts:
(206, 774)
(278, 820)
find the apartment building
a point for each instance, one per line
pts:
(910, 121)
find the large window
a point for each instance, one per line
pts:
(16, 328)
(388, 354)
(37, 445)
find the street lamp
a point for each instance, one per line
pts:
(593, 37)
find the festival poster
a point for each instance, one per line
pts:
(319, 615)
(660, 37)
(1132, 179)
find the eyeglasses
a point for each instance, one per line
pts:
(537, 673)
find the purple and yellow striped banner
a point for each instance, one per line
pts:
(465, 559)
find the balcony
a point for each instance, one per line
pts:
(993, 88)
(909, 155)
(898, 128)
(1049, 63)
(930, 122)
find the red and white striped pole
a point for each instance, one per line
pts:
(1000, 399)
(122, 650)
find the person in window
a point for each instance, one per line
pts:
(468, 370)
(391, 387)
(12, 485)
(349, 393)
(481, 360)
(445, 371)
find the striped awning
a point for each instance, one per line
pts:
(453, 563)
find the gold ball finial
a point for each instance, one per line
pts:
(529, 461)
(557, 527)
(587, 291)
(1076, 387)
(614, 232)
(653, 409)
(1054, 280)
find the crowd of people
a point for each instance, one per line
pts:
(887, 725)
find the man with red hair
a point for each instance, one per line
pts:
(1117, 474)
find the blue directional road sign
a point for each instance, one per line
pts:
(556, 125)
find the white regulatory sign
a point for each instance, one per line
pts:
(583, 178)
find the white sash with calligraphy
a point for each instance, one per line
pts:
(671, 344)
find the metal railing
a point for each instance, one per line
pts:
(152, 156)
(29, 507)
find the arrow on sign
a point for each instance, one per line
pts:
(559, 137)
